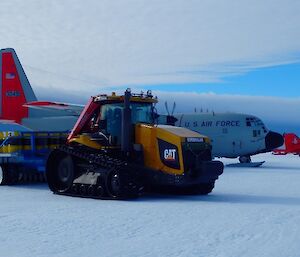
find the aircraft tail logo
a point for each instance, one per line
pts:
(291, 141)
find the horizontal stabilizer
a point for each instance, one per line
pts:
(46, 105)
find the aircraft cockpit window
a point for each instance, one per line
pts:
(254, 133)
(253, 122)
(259, 123)
(264, 129)
(249, 122)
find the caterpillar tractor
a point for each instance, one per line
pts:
(116, 150)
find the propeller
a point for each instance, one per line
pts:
(173, 108)
(167, 108)
(170, 117)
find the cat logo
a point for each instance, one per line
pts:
(170, 154)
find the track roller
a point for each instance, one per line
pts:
(91, 190)
(75, 188)
(83, 190)
(99, 191)
(120, 185)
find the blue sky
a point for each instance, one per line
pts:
(279, 81)
(207, 44)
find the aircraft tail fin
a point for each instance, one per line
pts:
(291, 141)
(15, 88)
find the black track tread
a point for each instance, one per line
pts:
(104, 161)
(206, 188)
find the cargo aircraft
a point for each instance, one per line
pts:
(232, 135)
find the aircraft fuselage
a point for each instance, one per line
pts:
(232, 134)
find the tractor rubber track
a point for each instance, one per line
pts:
(128, 172)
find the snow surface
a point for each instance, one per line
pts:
(251, 212)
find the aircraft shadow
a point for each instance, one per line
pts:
(281, 168)
(265, 169)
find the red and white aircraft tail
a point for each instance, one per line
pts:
(15, 87)
(291, 145)
(19, 104)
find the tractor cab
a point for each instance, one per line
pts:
(104, 118)
(110, 117)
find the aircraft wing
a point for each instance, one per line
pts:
(71, 109)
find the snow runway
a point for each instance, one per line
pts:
(251, 212)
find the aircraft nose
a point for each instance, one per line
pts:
(273, 140)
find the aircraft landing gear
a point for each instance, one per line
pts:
(245, 159)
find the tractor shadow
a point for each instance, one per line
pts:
(224, 198)
(211, 198)
(31, 186)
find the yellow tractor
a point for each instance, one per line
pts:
(116, 149)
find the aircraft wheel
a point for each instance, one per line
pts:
(245, 159)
